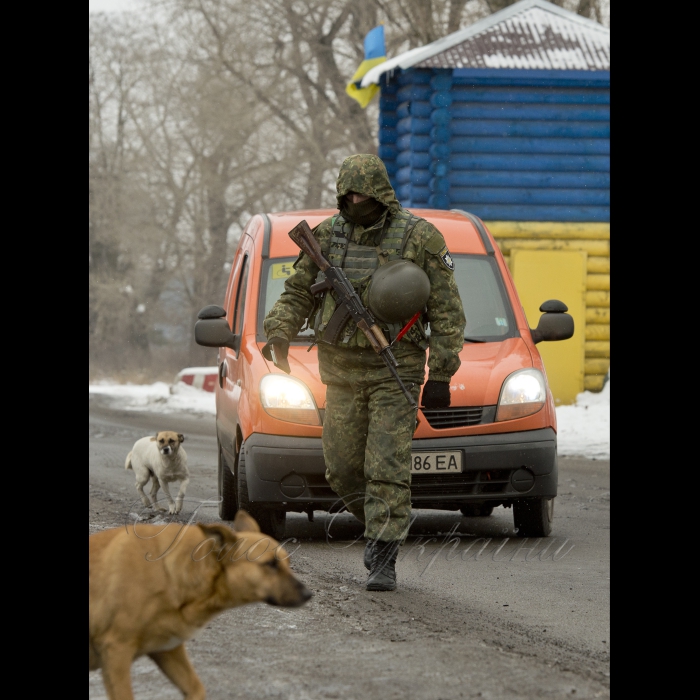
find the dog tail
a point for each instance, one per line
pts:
(127, 464)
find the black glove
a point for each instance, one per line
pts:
(436, 394)
(276, 350)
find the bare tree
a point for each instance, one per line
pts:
(295, 72)
(116, 201)
(598, 10)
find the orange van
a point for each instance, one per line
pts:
(495, 445)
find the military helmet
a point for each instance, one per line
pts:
(397, 291)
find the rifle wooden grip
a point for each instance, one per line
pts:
(377, 332)
(302, 236)
(374, 335)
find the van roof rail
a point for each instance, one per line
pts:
(266, 236)
(479, 225)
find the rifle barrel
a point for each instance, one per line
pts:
(395, 374)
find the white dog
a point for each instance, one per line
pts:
(162, 458)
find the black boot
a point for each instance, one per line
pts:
(382, 575)
(369, 547)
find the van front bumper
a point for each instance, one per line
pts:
(498, 468)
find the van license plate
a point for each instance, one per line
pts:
(436, 462)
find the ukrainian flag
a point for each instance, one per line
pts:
(375, 53)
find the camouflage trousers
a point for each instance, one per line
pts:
(367, 431)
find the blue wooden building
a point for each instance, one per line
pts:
(507, 118)
(510, 119)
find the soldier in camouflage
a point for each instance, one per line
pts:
(368, 424)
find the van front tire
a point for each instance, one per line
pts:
(533, 517)
(271, 521)
(228, 498)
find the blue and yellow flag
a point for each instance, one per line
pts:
(375, 53)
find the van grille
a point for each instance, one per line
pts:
(431, 486)
(465, 484)
(459, 416)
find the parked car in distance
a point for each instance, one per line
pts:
(204, 378)
(495, 445)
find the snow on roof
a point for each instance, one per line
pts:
(531, 34)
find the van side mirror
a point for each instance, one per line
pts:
(555, 323)
(212, 329)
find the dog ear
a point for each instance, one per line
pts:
(153, 439)
(243, 522)
(222, 534)
(181, 437)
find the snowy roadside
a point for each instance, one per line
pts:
(157, 397)
(584, 428)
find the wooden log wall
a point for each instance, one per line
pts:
(594, 238)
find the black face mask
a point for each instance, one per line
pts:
(363, 213)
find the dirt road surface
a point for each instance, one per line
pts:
(479, 613)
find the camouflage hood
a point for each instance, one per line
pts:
(366, 174)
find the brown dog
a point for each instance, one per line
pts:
(154, 587)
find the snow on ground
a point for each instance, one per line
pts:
(584, 427)
(157, 397)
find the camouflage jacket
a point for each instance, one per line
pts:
(425, 246)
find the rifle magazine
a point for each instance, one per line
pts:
(336, 325)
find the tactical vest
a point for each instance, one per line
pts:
(359, 263)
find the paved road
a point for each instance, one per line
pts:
(479, 613)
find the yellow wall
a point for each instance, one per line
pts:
(594, 240)
(555, 274)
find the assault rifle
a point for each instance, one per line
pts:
(337, 280)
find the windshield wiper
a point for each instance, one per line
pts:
(475, 340)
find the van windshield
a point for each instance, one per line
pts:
(486, 306)
(484, 299)
(274, 273)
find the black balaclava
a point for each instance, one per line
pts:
(363, 213)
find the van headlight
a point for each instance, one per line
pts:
(288, 399)
(523, 394)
